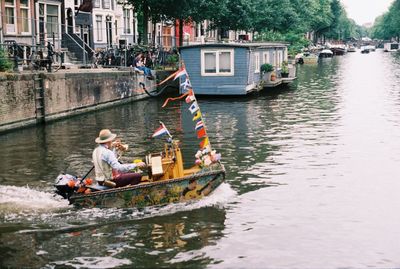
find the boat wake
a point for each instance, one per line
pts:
(22, 199)
(37, 208)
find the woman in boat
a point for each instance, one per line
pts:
(105, 161)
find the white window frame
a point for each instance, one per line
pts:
(266, 57)
(280, 58)
(14, 7)
(106, 4)
(217, 53)
(28, 8)
(47, 35)
(127, 20)
(99, 31)
(256, 62)
(58, 34)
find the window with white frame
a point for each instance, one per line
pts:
(127, 19)
(273, 58)
(106, 4)
(96, 3)
(24, 11)
(256, 62)
(10, 16)
(266, 57)
(217, 62)
(52, 20)
(99, 30)
(280, 58)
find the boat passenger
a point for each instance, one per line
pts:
(105, 162)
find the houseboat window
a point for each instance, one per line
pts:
(52, 20)
(225, 62)
(24, 8)
(265, 57)
(10, 16)
(257, 62)
(280, 58)
(210, 62)
(217, 62)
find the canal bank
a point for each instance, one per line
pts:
(31, 98)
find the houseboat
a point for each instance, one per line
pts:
(234, 68)
(391, 47)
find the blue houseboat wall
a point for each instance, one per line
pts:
(233, 69)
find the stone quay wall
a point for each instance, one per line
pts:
(30, 98)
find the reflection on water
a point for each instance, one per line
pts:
(330, 140)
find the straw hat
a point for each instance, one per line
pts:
(105, 136)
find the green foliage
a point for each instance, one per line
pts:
(387, 26)
(5, 63)
(296, 41)
(265, 68)
(286, 19)
(172, 59)
(285, 67)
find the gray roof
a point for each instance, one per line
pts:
(239, 45)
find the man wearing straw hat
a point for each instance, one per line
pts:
(105, 161)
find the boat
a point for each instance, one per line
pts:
(233, 68)
(306, 58)
(338, 50)
(364, 50)
(351, 48)
(326, 53)
(164, 181)
(390, 47)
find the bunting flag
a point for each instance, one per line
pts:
(194, 107)
(197, 116)
(190, 97)
(204, 143)
(180, 72)
(162, 130)
(199, 125)
(168, 78)
(201, 133)
(185, 85)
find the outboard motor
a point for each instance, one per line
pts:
(65, 185)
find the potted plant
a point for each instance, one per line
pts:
(285, 69)
(266, 71)
(173, 61)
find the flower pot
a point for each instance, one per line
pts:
(285, 75)
(267, 76)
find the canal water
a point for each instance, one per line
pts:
(312, 180)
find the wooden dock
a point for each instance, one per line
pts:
(278, 81)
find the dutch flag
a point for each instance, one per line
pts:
(162, 130)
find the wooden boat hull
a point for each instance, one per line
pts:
(161, 192)
(338, 51)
